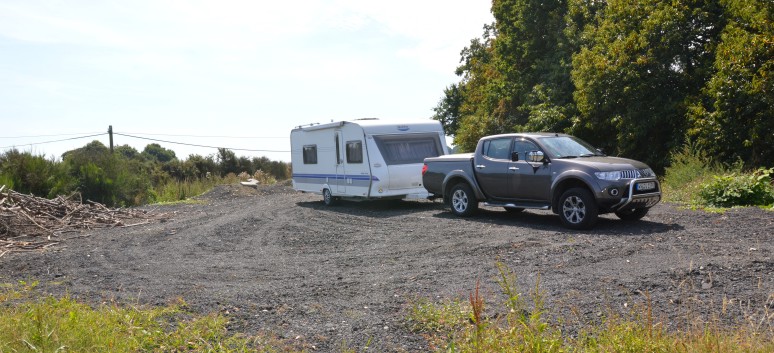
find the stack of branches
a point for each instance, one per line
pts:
(29, 223)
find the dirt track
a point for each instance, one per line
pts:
(279, 261)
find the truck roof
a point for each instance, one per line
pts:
(526, 134)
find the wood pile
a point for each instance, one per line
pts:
(30, 223)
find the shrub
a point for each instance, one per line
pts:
(739, 189)
(689, 168)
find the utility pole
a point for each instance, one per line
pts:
(110, 132)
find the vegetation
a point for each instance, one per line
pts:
(637, 78)
(454, 326)
(64, 325)
(695, 180)
(128, 177)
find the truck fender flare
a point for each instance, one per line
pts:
(575, 174)
(460, 174)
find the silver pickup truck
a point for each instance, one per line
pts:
(543, 171)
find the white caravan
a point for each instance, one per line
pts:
(364, 159)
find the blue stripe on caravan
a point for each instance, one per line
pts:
(334, 176)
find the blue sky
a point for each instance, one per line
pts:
(246, 71)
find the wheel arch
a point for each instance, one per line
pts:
(564, 183)
(458, 176)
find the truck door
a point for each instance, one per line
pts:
(529, 180)
(341, 175)
(491, 167)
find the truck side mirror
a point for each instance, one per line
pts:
(514, 156)
(535, 156)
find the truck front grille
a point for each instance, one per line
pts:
(636, 173)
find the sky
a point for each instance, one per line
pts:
(236, 74)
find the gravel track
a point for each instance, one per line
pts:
(280, 261)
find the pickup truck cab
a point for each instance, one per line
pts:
(543, 171)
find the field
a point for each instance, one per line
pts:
(273, 260)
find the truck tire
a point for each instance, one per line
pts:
(328, 198)
(462, 200)
(631, 214)
(578, 209)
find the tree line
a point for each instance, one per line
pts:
(125, 177)
(638, 78)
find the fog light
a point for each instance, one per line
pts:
(614, 191)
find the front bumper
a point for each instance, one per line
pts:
(629, 194)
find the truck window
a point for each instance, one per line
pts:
(408, 149)
(497, 148)
(354, 152)
(523, 147)
(310, 154)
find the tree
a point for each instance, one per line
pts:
(735, 117)
(515, 78)
(155, 152)
(228, 161)
(643, 62)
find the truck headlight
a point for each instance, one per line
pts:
(608, 175)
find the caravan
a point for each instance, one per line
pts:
(364, 159)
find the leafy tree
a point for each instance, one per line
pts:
(155, 152)
(644, 61)
(27, 173)
(127, 151)
(228, 161)
(515, 78)
(735, 117)
(201, 166)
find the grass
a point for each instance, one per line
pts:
(453, 326)
(690, 168)
(174, 191)
(697, 181)
(29, 323)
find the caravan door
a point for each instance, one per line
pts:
(341, 173)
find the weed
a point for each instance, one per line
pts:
(640, 331)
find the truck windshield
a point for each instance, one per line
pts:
(568, 147)
(408, 149)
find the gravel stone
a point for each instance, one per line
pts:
(280, 261)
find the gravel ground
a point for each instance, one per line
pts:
(280, 261)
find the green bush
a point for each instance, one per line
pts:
(739, 189)
(689, 168)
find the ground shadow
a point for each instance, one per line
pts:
(374, 208)
(608, 224)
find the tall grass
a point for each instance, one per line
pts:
(695, 179)
(453, 326)
(689, 169)
(174, 190)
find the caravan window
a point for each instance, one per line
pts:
(310, 154)
(408, 149)
(354, 152)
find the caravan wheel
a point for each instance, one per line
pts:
(328, 199)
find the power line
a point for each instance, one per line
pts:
(195, 145)
(28, 136)
(52, 141)
(214, 136)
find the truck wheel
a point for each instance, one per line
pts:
(463, 202)
(578, 209)
(631, 214)
(328, 199)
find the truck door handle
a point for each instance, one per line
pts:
(513, 168)
(480, 166)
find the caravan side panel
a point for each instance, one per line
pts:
(332, 157)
